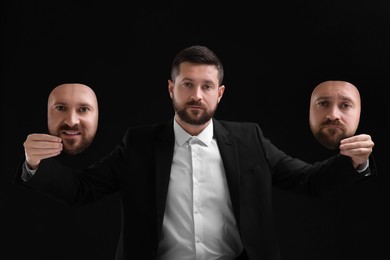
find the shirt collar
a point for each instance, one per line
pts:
(182, 136)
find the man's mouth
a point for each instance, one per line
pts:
(69, 132)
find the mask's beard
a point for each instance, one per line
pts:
(330, 138)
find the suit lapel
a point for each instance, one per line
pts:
(227, 148)
(164, 156)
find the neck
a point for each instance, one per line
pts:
(192, 129)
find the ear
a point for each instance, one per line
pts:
(221, 90)
(170, 87)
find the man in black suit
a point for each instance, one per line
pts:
(194, 187)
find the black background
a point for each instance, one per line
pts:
(273, 54)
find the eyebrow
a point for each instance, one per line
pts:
(193, 80)
(78, 104)
(344, 98)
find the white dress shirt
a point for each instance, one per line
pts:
(198, 221)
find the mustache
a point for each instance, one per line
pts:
(333, 122)
(195, 103)
(66, 127)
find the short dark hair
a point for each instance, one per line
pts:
(199, 55)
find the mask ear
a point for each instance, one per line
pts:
(170, 87)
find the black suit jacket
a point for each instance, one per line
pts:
(139, 168)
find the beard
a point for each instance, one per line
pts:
(72, 146)
(328, 141)
(193, 117)
(330, 138)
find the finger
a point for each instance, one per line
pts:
(363, 152)
(356, 145)
(43, 137)
(43, 151)
(42, 145)
(356, 138)
(50, 154)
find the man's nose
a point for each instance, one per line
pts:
(72, 118)
(197, 93)
(334, 113)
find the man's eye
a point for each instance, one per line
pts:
(84, 109)
(187, 84)
(322, 103)
(60, 108)
(345, 105)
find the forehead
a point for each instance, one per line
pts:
(336, 90)
(72, 94)
(198, 71)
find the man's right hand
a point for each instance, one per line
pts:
(41, 146)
